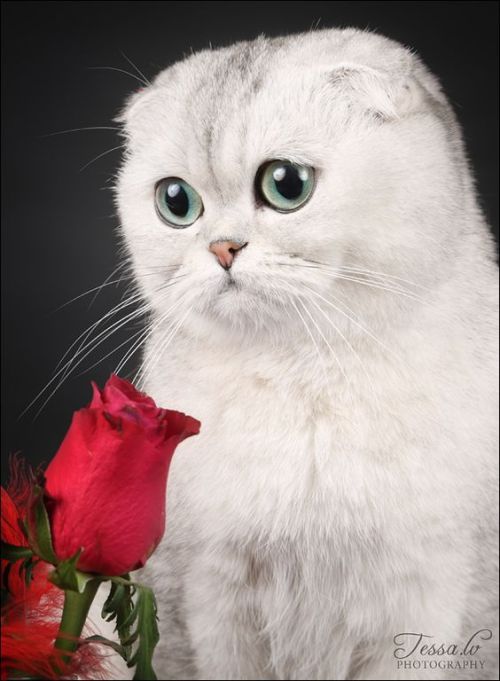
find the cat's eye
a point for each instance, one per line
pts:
(285, 186)
(177, 203)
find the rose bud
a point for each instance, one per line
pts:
(106, 486)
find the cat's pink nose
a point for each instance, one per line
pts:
(225, 251)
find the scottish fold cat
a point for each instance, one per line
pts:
(301, 218)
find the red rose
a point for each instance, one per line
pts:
(106, 485)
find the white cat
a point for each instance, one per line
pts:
(331, 320)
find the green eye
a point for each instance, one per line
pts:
(285, 186)
(177, 203)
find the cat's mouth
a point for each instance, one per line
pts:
(229, 283)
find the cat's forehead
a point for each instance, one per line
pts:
(217, 91)
(223, 111)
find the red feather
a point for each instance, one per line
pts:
(31, 614)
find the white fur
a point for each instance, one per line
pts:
(341, 490)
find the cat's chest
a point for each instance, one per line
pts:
(268, 415)
(273, 446)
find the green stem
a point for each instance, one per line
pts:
(121, 580)
(75, 611)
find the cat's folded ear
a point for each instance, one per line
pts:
(133, 105)
(386, 95)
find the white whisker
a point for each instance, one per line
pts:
(374, 280)
(86, 348)
(104, 153)
(325, 340)
(105, 333)
(145, 83)
(355, 322)
(318, 351)
(384, 275)
(99, 288)
(374, 285)
(143, 336)
(63, 373)
(107, 281)
(146, 80)
(90, 127)
(146, 334)
(131, 300)
(111, 352)
(144, 372)
(350, 346)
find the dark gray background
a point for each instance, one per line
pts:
(58, 223)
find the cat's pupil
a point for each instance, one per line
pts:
(288, 181)
(177, 199)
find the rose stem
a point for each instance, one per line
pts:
(75, 611)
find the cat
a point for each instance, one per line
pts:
(301, 218)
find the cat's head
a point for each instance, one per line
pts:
(266, 178)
